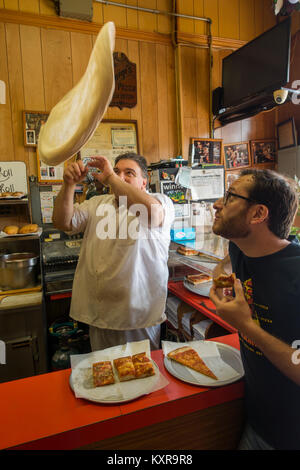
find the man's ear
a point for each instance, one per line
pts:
(144, 185)
(260, 213)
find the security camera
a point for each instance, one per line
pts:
(280, 96)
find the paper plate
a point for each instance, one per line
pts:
(228, 354)
(143, 387)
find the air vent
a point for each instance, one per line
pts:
(77, 9)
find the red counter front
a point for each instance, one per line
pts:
(41, 412)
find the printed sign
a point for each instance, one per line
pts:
(174, 191)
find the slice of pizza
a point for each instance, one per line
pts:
(103, 374)
(198, 278)
(125, 368)
(186, 251)
(143, 365)
(224, 280)
(188, 357)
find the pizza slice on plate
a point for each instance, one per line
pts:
(143, 365)
(103, 374)
(125, 368)
(198, 278)
(186, 251)
(188, 357)
(224, 280)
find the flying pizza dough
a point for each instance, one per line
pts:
(72, 121)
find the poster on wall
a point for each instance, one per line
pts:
(110, 139)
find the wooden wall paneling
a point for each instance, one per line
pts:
(211, 10)
(115, 14)
(248, 129)
(185, 7)
(132, 15)
(6, 136)
(47, 7)
(30, 6)
(56, 50)
(149, 101)
(200, 26)
(202, 84)
(229, 19)
(98, 13)
(172, 107)
(232, 132)
(32, 66)
(188, 91)
(33, 81)
(162, 101)
(10, 4)
(164, 22)
(147, 21)
(247, 20)
(81, 48)
(136, 112)
(16, 88)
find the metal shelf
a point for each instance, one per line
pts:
(6, 202)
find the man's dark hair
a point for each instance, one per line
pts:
(277, 193)
(141, 161)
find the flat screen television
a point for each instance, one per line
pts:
(262, 65)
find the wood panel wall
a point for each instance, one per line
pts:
(42, 56)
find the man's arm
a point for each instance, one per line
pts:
(237, 313)
(64, 203)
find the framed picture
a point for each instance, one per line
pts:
(49, 174)
(286, 134)
(32, 122)
(237, 155)
(263, 151)
(230, 177)
(205, 151)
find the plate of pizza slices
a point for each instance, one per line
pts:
(203, 363)
(116, 375)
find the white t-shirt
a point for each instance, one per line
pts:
(120, 281)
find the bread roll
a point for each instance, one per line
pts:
(30, 228)
(17, 194)
(11, 229)
(6, 194)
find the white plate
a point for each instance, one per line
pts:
(144, 386)
(201, 289)
(38, 232)
(228, 354)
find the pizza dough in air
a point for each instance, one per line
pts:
(74, 119)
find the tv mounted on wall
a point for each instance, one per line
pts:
(252, 73)
(262, 65)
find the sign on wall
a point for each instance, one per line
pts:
(13, 177)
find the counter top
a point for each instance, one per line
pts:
(42, 412)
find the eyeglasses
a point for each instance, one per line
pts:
(229, 193)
